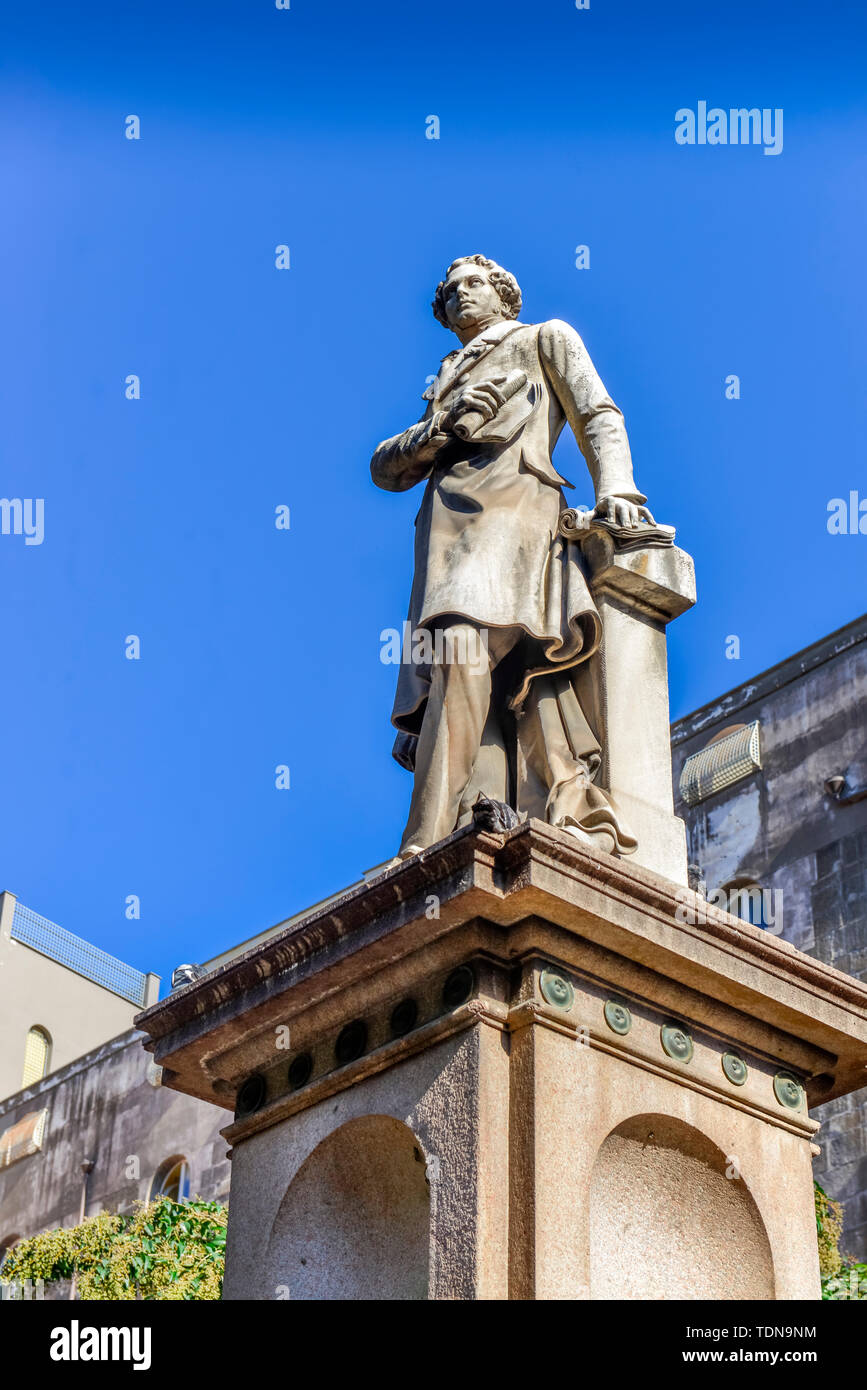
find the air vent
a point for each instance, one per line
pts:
(725, 761)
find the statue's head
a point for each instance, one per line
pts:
(476, 291)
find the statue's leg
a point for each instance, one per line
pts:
(450, 736)
(490, 775)
(558, 755)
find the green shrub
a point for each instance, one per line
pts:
(166, 1250)
(842, 1277)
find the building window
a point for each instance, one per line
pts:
(172, 1179)
(747, 901)
(37, 1055)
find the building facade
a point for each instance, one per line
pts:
(101, 1134)
(771, 779)
(85, 1125)
(60, 995)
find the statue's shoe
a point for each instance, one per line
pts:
(404, 855)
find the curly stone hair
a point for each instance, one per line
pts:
(505, 284)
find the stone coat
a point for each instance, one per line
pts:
(487, 546)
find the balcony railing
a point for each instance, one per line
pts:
(63, 946)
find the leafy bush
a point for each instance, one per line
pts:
(166, 1250)
(842, 1277)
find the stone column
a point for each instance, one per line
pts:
(638, 592)
(510, 1069)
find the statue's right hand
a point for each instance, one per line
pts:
(484, 397)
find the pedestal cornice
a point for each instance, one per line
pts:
(504, 901)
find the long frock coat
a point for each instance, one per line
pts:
(487, 545)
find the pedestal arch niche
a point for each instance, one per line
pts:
(666, 1222)
(354, 1222)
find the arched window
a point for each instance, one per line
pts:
(172, 1179)
(37, 1056)
(724, 733)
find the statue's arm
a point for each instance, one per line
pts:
(593, 417)
(406, 459)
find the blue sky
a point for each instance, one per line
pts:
(262, 387)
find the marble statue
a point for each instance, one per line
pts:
(489, 708)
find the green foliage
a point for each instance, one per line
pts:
(166, 1250)
(842, 1278)
(850, 1282)
(829, 1227)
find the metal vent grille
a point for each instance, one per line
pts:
(70, 950)
(23, 1138)
(722, 764)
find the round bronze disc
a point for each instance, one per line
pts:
(676, 1042)
(735, 1068)
(788, 1090)
(617, 1016)
(556, 989)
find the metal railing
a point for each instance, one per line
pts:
(68, 949)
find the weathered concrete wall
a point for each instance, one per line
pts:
(839, 903)
(779, 828)
(104, 1107)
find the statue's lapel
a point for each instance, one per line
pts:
(474, 352)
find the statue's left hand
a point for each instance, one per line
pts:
(621, 512)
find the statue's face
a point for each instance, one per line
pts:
(469, 298)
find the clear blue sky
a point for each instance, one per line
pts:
(260, 387)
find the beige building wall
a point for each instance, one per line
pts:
(36, 991)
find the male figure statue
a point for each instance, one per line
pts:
(491, 568)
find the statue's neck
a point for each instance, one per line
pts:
(466, 335)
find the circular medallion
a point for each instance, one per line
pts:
(300, 1069)
(617, 1016)
(676, 1042)
(788, 1090)
(250, 1097)
(735, 1068)
(556, 990)
(351, 1042)
(403, 1017)
(458, 987)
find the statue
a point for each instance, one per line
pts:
(488, 707)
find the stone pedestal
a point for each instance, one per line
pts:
(638, 592)
(508, 1069)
